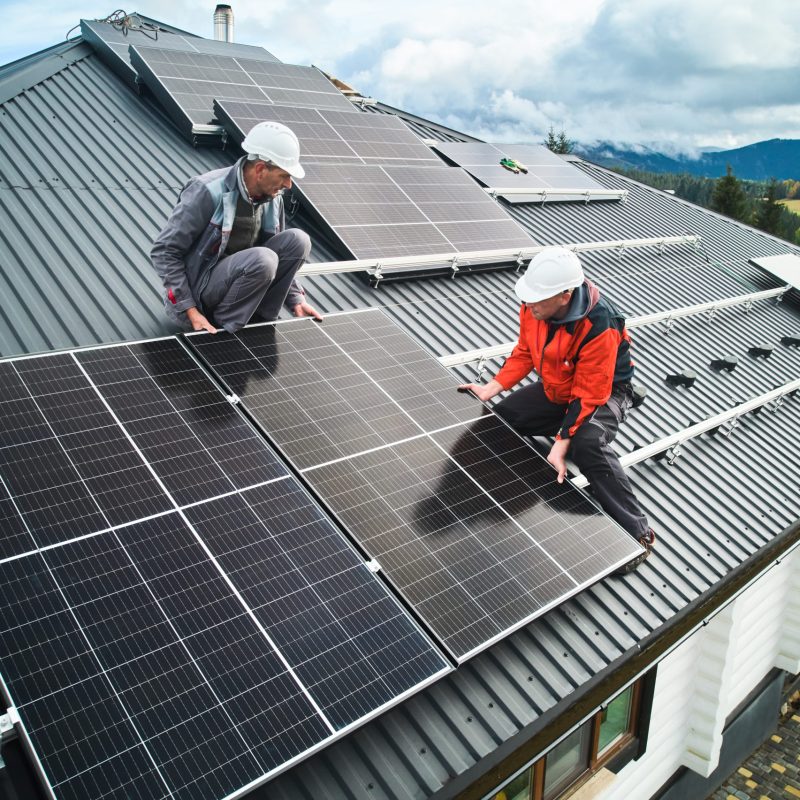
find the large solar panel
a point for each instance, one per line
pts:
(188, 83)
(545, 170)
(388, 211)
(180, 618)
(112, 42)
(464, 518)
(334, 136)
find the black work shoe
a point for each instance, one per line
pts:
(647, 541)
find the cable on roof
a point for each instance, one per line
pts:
(123, 22)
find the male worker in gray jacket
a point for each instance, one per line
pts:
(224, 255)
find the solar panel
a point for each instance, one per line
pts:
(188, 83)
(387, 211)
(464, 518)
(180, 618)
(112, 41)
(334, 136)
(545, 170)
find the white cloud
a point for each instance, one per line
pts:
(675, 71)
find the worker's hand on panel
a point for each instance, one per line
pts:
(199, 322)
(482, 392)
(558, 457)
(306, 310)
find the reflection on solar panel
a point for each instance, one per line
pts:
(545, 170)
(179, 617)
(112, 44)
(334, 136)
(188, 83)
(381, 212)
(464, 518)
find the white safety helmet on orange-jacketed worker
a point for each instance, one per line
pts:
(276, 144)
(554, 270)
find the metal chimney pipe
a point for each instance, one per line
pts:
(223, 23)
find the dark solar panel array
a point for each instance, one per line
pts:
(464, 518)
(545, 170)
(188, 83)
(335, 136)
(387, 211)
(179, 618)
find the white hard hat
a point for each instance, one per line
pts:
(275, 143)
(554, 270)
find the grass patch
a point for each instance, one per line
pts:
(792, 205)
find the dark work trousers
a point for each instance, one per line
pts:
(530, 413)
(253, 283)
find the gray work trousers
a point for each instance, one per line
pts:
(253, 283)
(530, 413)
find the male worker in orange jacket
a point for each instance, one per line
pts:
(576, 342)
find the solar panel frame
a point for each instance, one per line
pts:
(112, 45)
(526, 505)
(545, 171)
(333, 136)
(410, 662)
(187, 83)
(350, 196)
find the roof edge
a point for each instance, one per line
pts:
(423, 121)
(535, 738)
(27, 72)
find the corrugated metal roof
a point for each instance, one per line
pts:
(93, 170)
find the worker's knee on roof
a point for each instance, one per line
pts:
(301, 241)
(262, 264)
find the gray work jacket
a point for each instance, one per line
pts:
(196, 235)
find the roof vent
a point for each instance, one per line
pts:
(728, 363)
(791, 341)
(761, 350)
(686, 378)
(223, 23)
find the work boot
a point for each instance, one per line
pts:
(647, 541)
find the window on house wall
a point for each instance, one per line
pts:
(577, 757)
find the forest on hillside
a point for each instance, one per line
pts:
(755, 203)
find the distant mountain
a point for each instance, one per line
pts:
(775, 158)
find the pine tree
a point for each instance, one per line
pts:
(729, 197)
(558, 142)
(768, 213)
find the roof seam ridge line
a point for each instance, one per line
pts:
(674, 440)
(323, 267)
(226, 578)
(499, 350)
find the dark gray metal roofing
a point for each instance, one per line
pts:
(92, 171)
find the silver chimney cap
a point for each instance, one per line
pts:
(223, 23)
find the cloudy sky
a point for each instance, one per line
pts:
(677, 74)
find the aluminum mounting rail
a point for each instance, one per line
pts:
(543, 192)
(674, 441)
(520, 255)
(747, 300)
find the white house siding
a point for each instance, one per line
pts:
(701, 682)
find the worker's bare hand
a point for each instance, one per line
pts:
(306, 310)
(482, 392)
(199, 322)
(558, 457)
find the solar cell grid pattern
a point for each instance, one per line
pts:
(394, 211)
(335, 136)
(174, 636)
(118, 42)
(545, 169)
(464, 518)
(190, 82)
